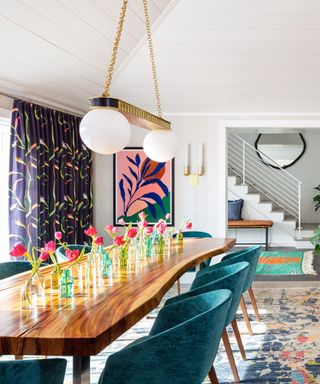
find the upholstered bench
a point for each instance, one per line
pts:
(238, 224)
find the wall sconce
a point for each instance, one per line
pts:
(193, 176)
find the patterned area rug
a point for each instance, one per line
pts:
(286, 263)
(285, 347)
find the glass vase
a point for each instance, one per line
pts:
(160, 245)
(39, 283)
(148, 246)
(123, 257)
(28, 295)
(54, 279)
(106, 264)
(66, 285)
(180, 239)
(91, 271)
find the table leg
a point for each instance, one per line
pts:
(197, 267)
(81, 369)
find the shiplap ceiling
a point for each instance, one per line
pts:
(213, 56)
(58, 50)
(233, 56)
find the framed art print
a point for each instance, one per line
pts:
(142, 185)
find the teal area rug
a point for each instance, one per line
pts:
(286, 263)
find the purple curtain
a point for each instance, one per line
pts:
(50, 182)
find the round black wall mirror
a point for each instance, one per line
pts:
(280, 150)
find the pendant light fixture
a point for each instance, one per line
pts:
(106, 127)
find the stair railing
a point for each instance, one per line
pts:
(277, 184)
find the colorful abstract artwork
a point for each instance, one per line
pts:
(142, 185)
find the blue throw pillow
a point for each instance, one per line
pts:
(234, 209)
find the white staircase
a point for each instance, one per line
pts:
(268, 193)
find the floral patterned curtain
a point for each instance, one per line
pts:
(50, 182)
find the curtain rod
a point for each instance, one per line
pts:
(44, 104)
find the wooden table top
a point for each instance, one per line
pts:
(96, 316)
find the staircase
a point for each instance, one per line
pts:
(268, 192)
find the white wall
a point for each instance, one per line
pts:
(306, 169)
(198, 203)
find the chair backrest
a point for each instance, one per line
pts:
(40, 371)
(10, 268)
(231, 277)
(60, 251)
(198, 234)
(181, 347)
(250, 255)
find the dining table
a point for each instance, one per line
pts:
(97, 314)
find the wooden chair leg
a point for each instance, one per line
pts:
(245, 315)
(228, 349)
(254, 304)
(178, 287)
(213, 376)
(18, 357)
(238, 338)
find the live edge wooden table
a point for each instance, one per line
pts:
(86, 324)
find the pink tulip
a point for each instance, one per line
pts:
(72, 255)
(121, 222)
(118, 240)
(18, 250)
(142, 215)
(109, 227)
(91, 231)
(149, 230)
(144, 224)
(50, 247)
(168, 215)
(115, 229)
(99, 240)
(58, 235)
(132, 233)
(188, 224)
(44, 255)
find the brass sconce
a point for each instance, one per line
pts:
(193, 176)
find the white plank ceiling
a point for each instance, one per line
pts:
(232, 56)
(213, 56)
(58, 50)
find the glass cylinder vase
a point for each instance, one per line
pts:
(106, 264)
(180, 239)
(28, 295)
(66, 285)
(148, 245)
(123, 257)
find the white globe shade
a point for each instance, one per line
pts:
(160, 145)
(105, 131)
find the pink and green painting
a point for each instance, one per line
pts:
(142, 185)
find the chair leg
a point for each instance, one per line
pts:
(213, 376)
(254, 303)
(18, 357)
(245, 315)
(228, 349)
(178, 287)
(238, 338)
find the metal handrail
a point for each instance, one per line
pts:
(277, 184)
(271, 160)
(253, 165)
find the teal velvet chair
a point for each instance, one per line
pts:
(204, 264)
(42, 371)
(60, 251)
(11, 268)
(232, 277)
(251, 255)
(180, 348)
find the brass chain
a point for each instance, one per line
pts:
(106, 91)
(152, 59)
